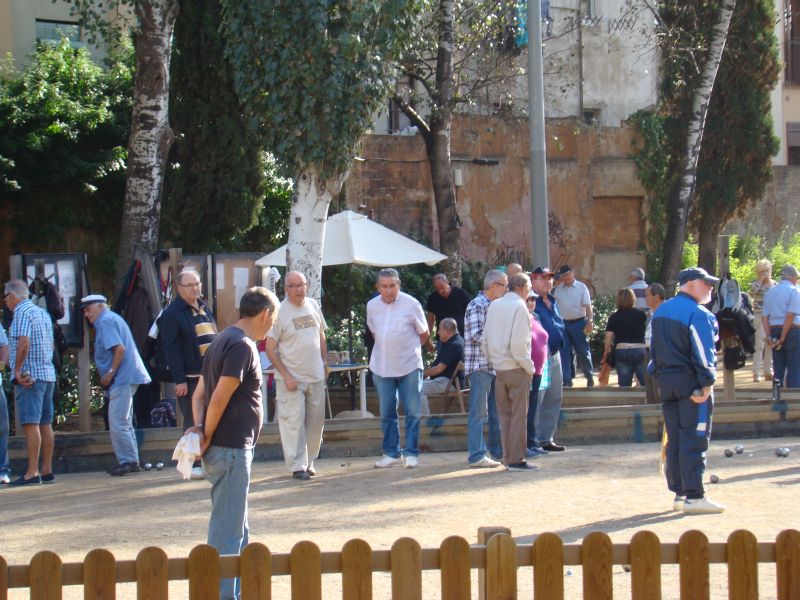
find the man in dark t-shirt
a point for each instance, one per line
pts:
(450, 353)
(446, 301)
(227, 409)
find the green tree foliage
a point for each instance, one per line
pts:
(738, 143)
(214, 185)
(64, 122)
(315, 71)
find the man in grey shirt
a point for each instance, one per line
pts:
(576, 310)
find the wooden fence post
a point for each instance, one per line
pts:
(152, 571)
(645, 558)
(742, 554)
(693, 565)
(45, 576)
(256, 572)
(356, 571)
(204, 573)
(501, 567)
(99, 575)
(406, 570)
(596, 558)
(484, 535)
(548, 567)
(3, 579)
(455, 568)
(787, 564)
(306, 566)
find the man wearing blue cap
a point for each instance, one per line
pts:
(683, 357)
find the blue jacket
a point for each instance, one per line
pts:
(177, 340)
(552, 322)
(683, 342)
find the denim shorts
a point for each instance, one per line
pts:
(34, 404)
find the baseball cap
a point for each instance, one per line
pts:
(92, 299)
(693, 273)
(789, 271)
(541, 272)
(563, 270)
(533, 294)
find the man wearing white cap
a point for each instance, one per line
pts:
(122, 371)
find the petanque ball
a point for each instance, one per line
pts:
(714, 479)
(786, 451)
(728, 452)
(739, 449)
(148, 466)
(159, 466)
(779, 452)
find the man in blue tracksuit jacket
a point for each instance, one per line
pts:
(683, 360)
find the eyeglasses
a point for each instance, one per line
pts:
(296, 285)
(191, 285)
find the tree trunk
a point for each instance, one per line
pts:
(680, 200)
(708, 240)
(151, 135)
(310, 202)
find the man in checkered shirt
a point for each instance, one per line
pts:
(31, 363)
(481, 376)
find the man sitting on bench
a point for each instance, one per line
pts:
(449, 355)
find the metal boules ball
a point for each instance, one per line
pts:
(714, 479)
(728, 452)
(159, 466)
(779, 452)
(148, 466)
(739, 449)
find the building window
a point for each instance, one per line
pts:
(51, 32)
(791, 28)
(793, 142)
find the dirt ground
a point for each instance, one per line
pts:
(611, 488)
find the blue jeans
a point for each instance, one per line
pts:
(786, 361)
(482, 408)
(548, 409)
(120, 423)
(407, 388)
(629, 361)
(4, 429)
(533, 404)
(575, 339)
(228, 471)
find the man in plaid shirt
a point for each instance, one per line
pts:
(31, 337)
(481, 376)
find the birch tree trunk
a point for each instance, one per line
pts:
(310, 202)
(151, 135)
(681, 198)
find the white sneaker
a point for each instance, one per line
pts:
(388, 461)
(197, 473)
(677, 503)
(702, 506)
(411, 462)
(485, 463)
(4, 478)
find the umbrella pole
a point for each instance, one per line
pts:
(350, 333)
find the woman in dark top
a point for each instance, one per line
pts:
(625, 333)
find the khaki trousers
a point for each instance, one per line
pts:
(511, 393)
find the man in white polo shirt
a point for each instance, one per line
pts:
(576, 310)
(398, 324)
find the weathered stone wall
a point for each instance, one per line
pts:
(596, 222)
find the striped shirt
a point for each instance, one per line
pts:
(204, 329)
(474, 320)
(32, 322)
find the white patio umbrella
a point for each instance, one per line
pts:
(352, 238)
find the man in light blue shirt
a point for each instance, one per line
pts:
(782, 320)
(31, 362)
(122, 371)
(5, 472)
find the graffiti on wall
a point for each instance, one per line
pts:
(506, 254)
(561, 239)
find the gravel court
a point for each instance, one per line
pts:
(610, 488)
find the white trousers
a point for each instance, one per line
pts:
(301, 416)
(437, 385)
(762, 357)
